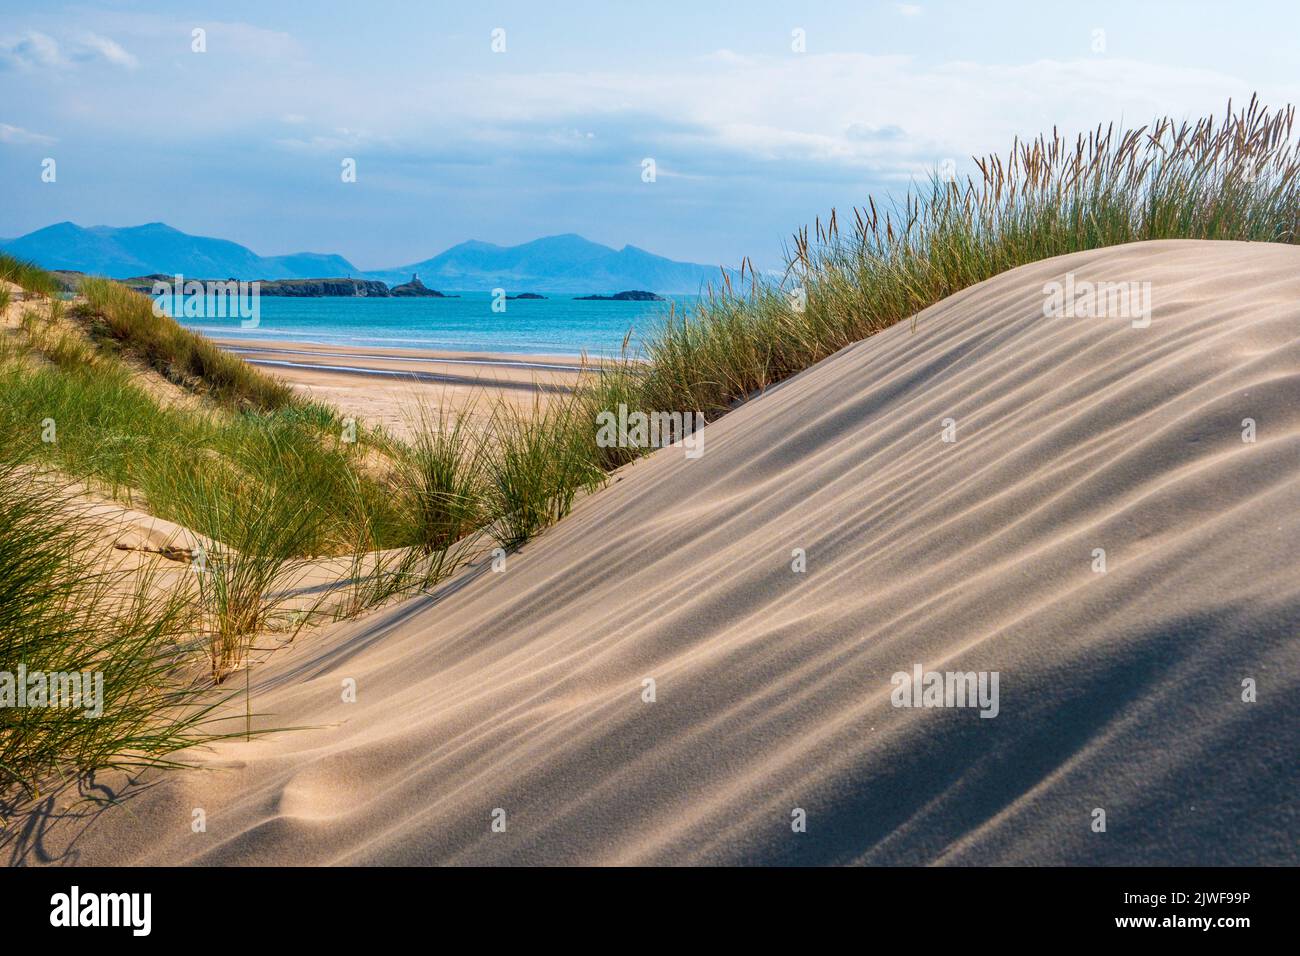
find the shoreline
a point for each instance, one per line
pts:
(387, 386)
(541, 361)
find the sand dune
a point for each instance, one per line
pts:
(523, 690)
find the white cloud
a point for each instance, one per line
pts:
(109, 49)
(340, 140)
(30, 50)
(34, 50)
(909, 9)
(891, 116)
(23, 137)
(834, 108)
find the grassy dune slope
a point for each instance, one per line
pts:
(103, 398)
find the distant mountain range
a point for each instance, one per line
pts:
(567, 263)
(157, 247)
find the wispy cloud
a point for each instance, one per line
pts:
(18, 136)
(811, 108)
(713, 111)
(34, 50)
(340, 140)
(92, 44)
(30, 50)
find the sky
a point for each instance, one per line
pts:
(758, 116)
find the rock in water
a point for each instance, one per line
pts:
(415, 288)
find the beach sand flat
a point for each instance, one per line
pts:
(381, 385)
(524, 691)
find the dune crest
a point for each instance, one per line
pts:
(525, 691)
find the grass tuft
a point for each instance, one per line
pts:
(126, 319)
(31, 277)
(60, 613)
(538, 462)
(441, 474)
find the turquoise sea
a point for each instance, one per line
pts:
(556, 325)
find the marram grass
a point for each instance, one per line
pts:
(61, 614)
(1229, 178)
(124, 318)
(31, 277)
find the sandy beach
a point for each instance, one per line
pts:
(383, 386)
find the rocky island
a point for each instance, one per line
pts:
(352, 288)
(632, 296)
(308, 288)
(416, 288)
